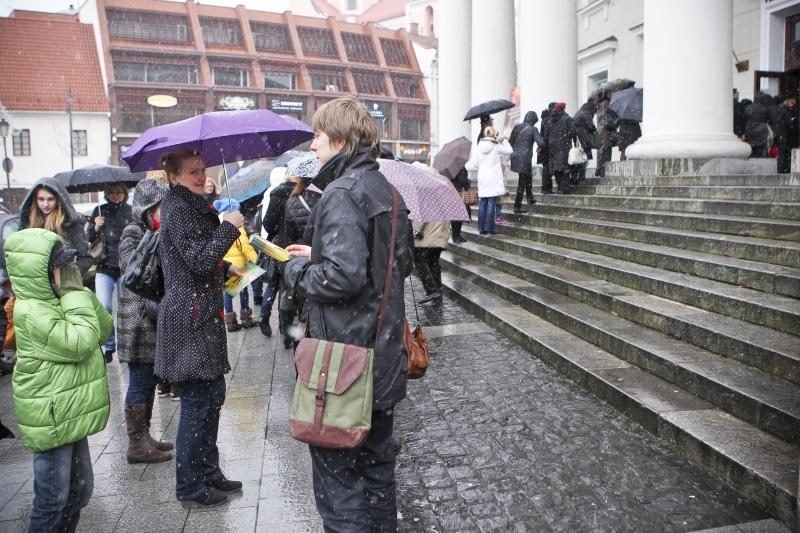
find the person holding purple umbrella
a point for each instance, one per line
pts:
(191, 344)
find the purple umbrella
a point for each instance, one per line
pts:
(430, 197)
(220, 137)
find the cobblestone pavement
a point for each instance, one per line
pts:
(494, 441)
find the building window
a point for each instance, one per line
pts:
(21, 141)
(317, 41)
(327, 80)
(413, 122)
(221, 31)
(155, 27)
(284, 78)
(369, 82)
(395, 52)
(352, 5)
(406, 86)
(272, 37)
(359, 47)
(79, 147)
(135, 115)
(155, 73)
(231, 77)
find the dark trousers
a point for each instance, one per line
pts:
(578, 173)
(524, 187)
(759, 150)
(603, 157)
(197, 455)
(63, 482)
(784, 156)
(270, 294)
(429, 270)
(355, 488)
(244, 300)
(562, 181)
(141, 383)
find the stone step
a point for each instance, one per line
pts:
(748, 194)
(769, 403)
(775, 353)
(771, 310)
(731, 225)
(761, 466)
(760, 253)
(738, 180)
(775, 210)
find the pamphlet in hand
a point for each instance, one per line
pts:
(236, 284)
(267, 248)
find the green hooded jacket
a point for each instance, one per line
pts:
(60, 382)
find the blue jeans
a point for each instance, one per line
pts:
(270, 294)
(141, 383)
(104, 286)
(486, 213)
(197, 455)
(62, 485)
(244, 300)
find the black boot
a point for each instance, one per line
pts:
(265, 328)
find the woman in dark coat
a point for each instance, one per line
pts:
(586, 131)
(136, 332)
(191, 345)
(522, 138)
(48, 206)
(342, 275)
(756, 132)
(560, 135)
(110, 220)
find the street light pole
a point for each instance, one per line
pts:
(70, 101)
(6, 160)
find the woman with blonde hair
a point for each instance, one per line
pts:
(48, 206)
(485, 158)
(212, 190)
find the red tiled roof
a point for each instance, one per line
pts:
(383, 10)
(42, 57)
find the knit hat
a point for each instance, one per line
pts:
(224, 204)
(560, 105)
(303, 166)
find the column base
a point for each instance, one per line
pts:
(688, 146)
(688, 166)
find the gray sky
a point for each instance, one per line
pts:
(59, 5)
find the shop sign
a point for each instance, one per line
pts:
(378, 110)
(230, 103)
(287, 106)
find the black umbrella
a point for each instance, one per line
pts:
(95, 178)
(488, 108)
(628, 104)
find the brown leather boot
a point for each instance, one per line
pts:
(163, 445)
(231, 324)
(247, 318)
(139, 448)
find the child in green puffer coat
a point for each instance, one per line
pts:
(60, 383)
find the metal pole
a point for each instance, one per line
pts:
(5, 156)
(225, 173)
(69, 114)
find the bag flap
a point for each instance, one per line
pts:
(304, 358)
(347, 364)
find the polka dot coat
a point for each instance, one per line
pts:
(191, 344)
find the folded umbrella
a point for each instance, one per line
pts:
(452, 157)
(488, 108)
(628, 104)
(430, 197)
(94, 178)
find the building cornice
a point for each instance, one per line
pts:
(608, 44)
(593, 7)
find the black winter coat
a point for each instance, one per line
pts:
(629, 133)
(560, 134)
(461, 181)
(521, 140)
(756, 117)
(117, 217)
(297, 217)
(74, 222)
(585, 128)
(780, 120)
(343, 281)
(273, 219)
(191, 342)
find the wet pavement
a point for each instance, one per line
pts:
(494, 441)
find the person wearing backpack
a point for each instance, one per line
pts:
(60, 384)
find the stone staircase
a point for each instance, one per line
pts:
(674, 299)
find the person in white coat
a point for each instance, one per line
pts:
(486, 159)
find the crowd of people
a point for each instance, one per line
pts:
(769, 124)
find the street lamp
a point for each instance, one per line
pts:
(160, 100)
(6, 160)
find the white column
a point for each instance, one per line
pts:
(454, 29)
(493, 55)
(548, 49)
(687, 81)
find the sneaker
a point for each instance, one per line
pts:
(226, 485)
(265, 328)
(500, 220)
(210, 498)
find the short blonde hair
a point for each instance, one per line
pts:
(490, 132)
(345, 119)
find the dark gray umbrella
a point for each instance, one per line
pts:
(452, 157)
(628, 104)
(488, 108)
(95, 178)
